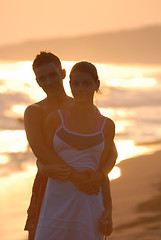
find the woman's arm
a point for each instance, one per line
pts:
(109, 155)
(107, 161)
(105, 223)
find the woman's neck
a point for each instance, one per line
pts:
(81, 109)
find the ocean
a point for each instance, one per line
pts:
(129, 95)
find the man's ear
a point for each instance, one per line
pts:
(63, 73)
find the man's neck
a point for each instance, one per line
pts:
(57, 99)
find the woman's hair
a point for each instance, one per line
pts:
(85, 66)
(45, 58)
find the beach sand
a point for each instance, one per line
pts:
(136, 197)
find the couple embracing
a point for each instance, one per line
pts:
(75, 150)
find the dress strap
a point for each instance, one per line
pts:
(66, 115)
(60, 114)
(103, 123)
(100, 122)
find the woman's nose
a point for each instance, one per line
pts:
(49, 80)
(80, 87)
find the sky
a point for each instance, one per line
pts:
(23, 20)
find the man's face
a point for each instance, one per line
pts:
(50, 78)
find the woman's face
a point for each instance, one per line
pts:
(83, 86)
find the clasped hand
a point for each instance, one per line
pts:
(58, 172)
(88, 181)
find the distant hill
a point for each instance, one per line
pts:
(137, 46)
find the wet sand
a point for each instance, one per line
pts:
(137, 199)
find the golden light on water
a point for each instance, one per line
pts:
(3, 159)
(127, 149)
(19, 109)
(67, 66)
(16, 71)
(107, 112)
(117, 113)
(13, 141)
(115, 173)
(127, 77)
(140, 82)
(19, 77)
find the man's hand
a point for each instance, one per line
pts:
(58, 172)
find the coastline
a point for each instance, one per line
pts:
(136, 197)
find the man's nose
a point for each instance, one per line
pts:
(80, 87)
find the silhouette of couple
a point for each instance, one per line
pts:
(75, 150)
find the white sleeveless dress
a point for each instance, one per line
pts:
(67, 213)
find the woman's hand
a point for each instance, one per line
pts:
(105, 222)
(92, 183)
(58, 172)
(88, 181)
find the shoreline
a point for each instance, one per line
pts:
(136, 197)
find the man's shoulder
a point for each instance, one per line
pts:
(35, 107)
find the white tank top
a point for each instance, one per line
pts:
(81, 151)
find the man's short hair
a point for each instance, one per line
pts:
(44, 58)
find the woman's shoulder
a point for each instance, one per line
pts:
(53, 118)
(108, 121)
(108, 126)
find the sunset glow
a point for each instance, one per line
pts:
(122, 39)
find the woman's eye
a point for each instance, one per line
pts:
(53, 74)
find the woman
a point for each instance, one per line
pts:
(79, 135)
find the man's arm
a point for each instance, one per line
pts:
(34, 131)
(51, 165)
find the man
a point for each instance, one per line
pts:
(49, 75)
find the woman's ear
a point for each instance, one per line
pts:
(37, 80)
(63, 73)
(98, 85)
